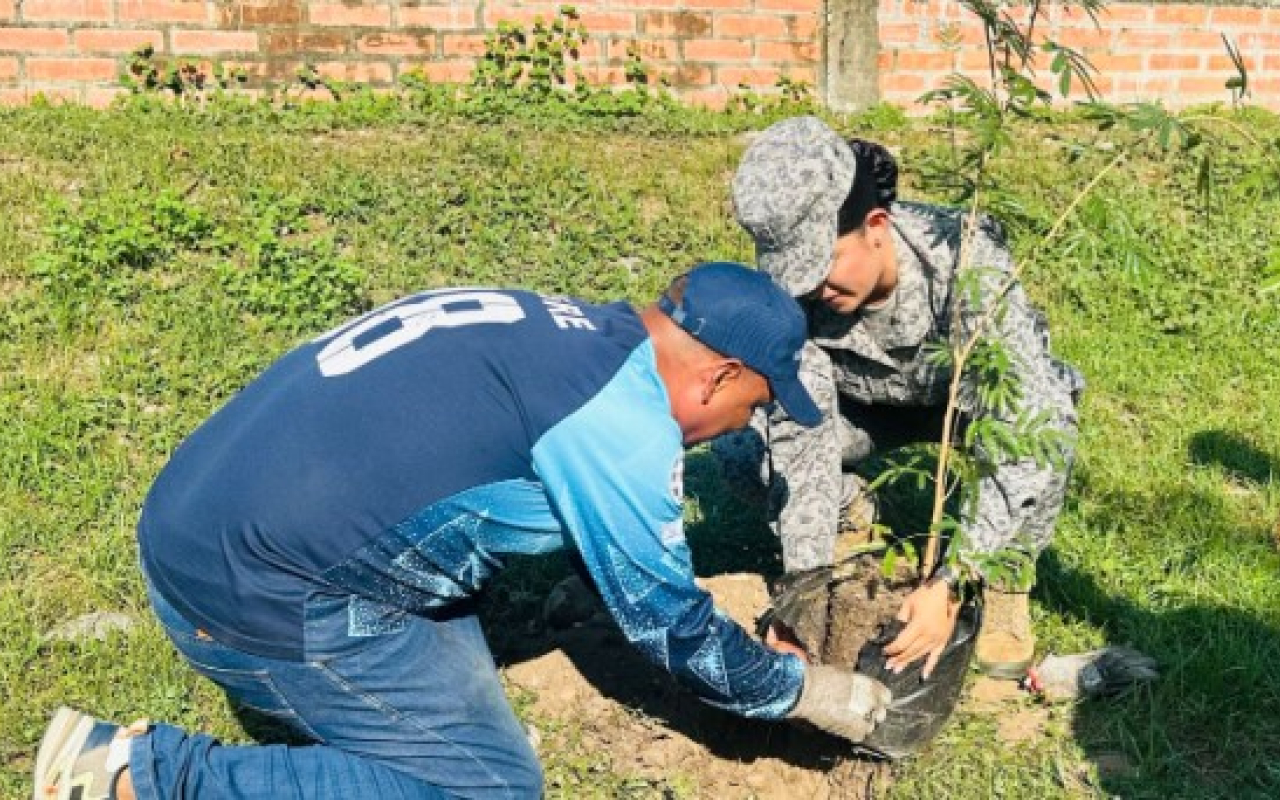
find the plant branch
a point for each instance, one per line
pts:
(949, 418)
(963, 349)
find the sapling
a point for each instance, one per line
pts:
(984, 384)
(983, 378)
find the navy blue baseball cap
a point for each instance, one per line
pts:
(741, 313)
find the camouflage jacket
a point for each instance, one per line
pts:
(880, 357)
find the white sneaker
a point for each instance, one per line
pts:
(80, 757)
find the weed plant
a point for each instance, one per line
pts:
(526, 72)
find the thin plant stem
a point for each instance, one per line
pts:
(963, 349)
(949, 417)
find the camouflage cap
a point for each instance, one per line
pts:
(786, 194)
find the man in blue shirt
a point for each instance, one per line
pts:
(313, 548)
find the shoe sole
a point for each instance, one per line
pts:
(65, 735)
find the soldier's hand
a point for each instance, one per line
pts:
(841, 702)
(930, 615)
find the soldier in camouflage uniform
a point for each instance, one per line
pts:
(877, 278)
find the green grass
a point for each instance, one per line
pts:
(152, 262)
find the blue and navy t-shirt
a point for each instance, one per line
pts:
(397, 460)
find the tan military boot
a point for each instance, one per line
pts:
(1006, 644)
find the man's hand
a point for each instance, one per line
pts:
(930, 615)
(781, 638)
(841, 702)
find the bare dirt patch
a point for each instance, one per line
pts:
(588, 676)
(589, 680)
(1018, 720)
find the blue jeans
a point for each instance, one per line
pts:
(405, 708)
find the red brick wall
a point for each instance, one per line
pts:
(705, 48)
(1142, 51)
(74, 48)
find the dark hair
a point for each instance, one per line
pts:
(875, 185)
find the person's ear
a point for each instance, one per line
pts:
(720, 375)
(876, 225)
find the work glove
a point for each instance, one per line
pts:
(841, 702)
(1108, 671)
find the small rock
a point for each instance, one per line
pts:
(94, 625)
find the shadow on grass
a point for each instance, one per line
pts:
(1210, 727)
(1236, 455)
(620, 673)
(732, 532)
